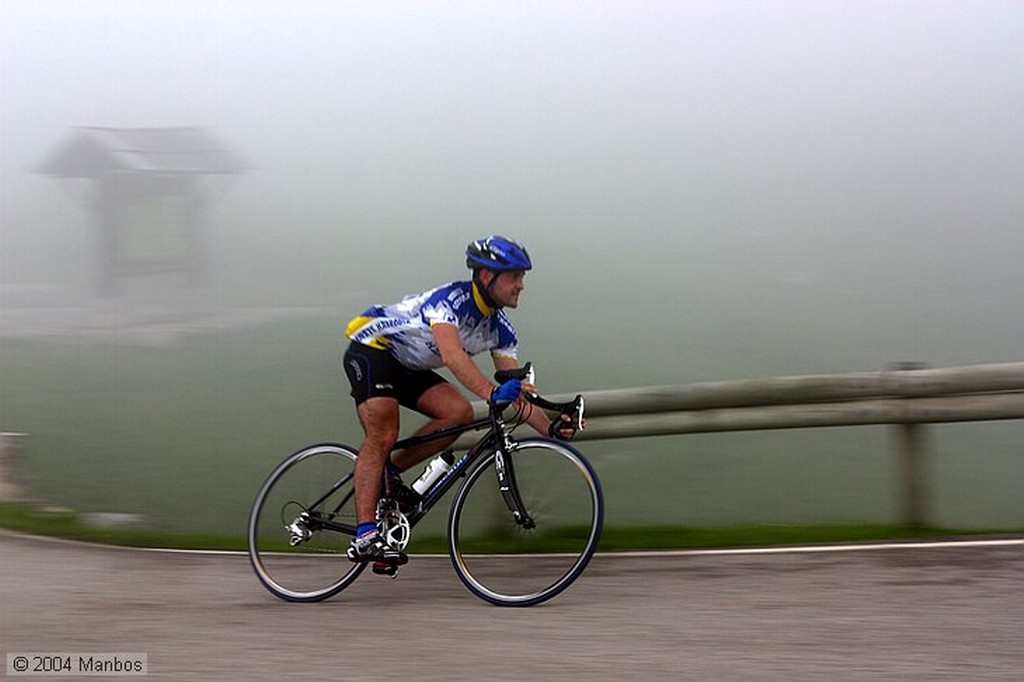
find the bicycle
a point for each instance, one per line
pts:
(521, 528)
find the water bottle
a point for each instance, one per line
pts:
(435, 470)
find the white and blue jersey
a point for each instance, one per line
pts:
(403, 329)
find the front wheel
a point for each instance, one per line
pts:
(301, 524)
(524, 545)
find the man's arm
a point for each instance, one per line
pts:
(458, 361)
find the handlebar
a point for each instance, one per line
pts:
(573, 408)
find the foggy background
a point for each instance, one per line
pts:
(709, 190)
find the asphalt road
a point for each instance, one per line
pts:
(908, 613)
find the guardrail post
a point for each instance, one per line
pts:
(912, 457)
(911, 438)
(13, 482)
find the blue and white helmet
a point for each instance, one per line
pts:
(497, 253)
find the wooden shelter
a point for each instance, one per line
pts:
(150, 191)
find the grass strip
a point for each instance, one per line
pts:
(69, 525)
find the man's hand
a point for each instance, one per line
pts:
(563, 427)
(508, 392)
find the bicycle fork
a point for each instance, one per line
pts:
(505, 470)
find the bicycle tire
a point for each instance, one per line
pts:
(507, 565)
(315, 568)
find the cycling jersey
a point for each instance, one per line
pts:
(403, 329)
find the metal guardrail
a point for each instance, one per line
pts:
(908, 396)
(898, 396)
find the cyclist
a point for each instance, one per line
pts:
(391, 359)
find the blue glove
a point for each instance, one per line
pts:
(508, 392)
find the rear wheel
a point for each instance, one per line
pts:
(523, 561)
(302, 522)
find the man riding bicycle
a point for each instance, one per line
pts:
(391, 360)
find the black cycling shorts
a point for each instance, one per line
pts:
(376, 373)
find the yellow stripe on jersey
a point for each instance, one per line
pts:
(357, 323)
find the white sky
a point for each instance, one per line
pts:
(799, 144)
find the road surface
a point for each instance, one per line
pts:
(936, 613)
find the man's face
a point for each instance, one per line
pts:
(505, 287)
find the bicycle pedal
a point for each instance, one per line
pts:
(384, 568)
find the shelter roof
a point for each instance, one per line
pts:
(91, 152)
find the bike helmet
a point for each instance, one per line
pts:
(497, 253)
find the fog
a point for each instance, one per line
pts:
(709, 190)
(723, 188)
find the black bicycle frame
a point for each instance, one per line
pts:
(495, 440)
(486, 443)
